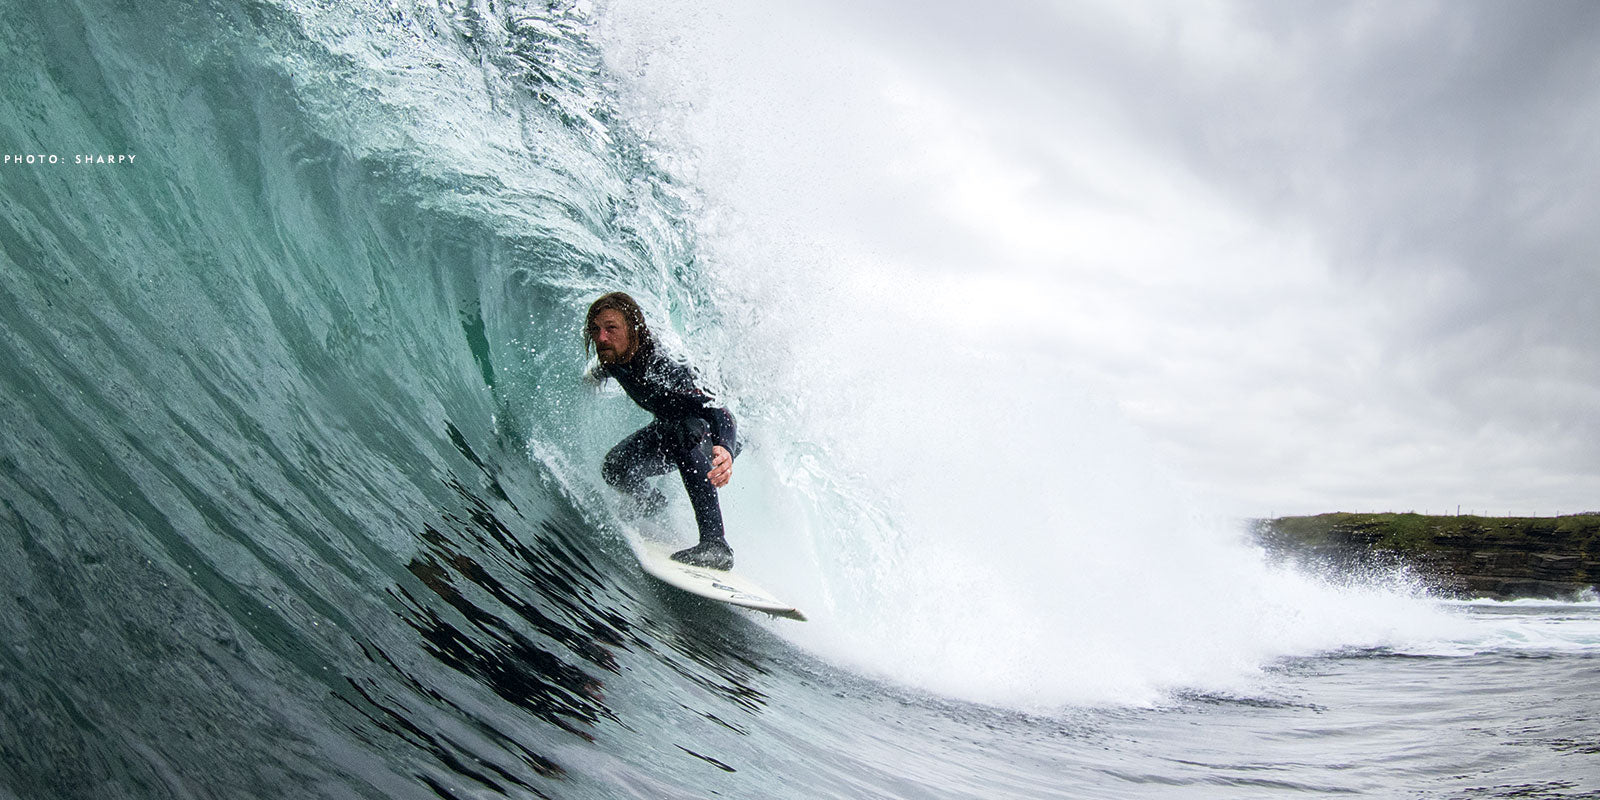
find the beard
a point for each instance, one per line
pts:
(611, 355)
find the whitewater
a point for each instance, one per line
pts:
(300, 492)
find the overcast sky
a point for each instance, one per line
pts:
(1329, 256)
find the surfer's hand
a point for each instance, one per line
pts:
(721, 466)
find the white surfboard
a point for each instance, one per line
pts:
(724, 586)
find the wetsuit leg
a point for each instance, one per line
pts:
(694, 466)
(657, 449)
(644, 454)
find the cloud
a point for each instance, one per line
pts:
(1332, 255)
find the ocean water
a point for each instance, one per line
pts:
(300, 493)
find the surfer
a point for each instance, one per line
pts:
(690, 432)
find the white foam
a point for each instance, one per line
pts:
(926, 480)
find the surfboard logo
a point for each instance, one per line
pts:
(739, 594)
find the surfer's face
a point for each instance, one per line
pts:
(613, 340)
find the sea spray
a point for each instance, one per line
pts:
(992, 535)
(964, 516)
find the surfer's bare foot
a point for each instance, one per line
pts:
(710, 554)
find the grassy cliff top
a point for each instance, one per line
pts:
(1414, 533)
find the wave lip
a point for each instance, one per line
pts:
(289, 408)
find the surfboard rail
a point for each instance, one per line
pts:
(725, 586)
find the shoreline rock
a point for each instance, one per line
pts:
(1501, 558)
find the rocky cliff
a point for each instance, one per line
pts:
(1497, 557)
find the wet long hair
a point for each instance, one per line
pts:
(622, 303)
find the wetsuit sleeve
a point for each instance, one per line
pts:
(724, 432)
(686, 386)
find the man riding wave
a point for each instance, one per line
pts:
(691, 432)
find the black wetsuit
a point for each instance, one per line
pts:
(687, 424)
